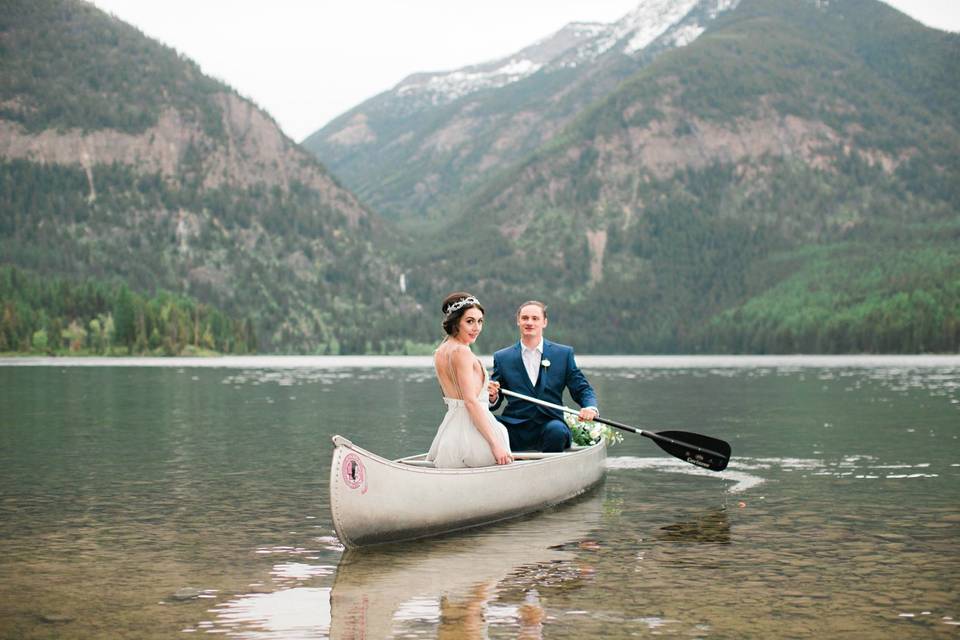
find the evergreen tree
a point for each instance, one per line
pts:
(124, 319)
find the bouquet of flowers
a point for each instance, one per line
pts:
(588, 433)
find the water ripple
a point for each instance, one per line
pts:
(850, 467)
(741, 480)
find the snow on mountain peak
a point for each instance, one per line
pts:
(573, 45)
(650, 20)
(654, 18)
(458, 83)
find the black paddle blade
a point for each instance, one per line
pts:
(703, 451)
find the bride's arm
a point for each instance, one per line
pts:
(463, 361)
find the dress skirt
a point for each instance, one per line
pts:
(458, 443)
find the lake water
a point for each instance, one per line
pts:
(167, 498)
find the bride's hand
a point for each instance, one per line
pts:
(502, 455)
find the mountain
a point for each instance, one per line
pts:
(770, 176)
(789, 181)
(413, 151)
(122, 163)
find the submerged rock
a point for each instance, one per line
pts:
(55, 618)
(186, 593)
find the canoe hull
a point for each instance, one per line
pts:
(374, 500)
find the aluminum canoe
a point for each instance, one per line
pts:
(374, 500)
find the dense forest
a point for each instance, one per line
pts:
(907, 301)
(60, 317)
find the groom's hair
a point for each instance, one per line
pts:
(535, 303)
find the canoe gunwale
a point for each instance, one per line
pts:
(400, 465)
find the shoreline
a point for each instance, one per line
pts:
(417, 362)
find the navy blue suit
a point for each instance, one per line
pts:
(532, 426)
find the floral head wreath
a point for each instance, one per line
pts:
(461, 303)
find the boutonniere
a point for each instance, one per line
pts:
(544, 363)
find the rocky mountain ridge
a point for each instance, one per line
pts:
(414, 151)
(253, 151)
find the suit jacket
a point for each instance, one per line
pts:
(562, 373)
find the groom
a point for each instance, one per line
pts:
(541, 369)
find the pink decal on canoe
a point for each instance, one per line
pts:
(354, 474)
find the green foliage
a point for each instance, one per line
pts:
(61, 316)
(850, 297)
(124, 319)
(585, 434)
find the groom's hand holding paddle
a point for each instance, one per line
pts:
(493, 391)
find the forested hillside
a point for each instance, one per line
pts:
(788, 182)
(121, 163)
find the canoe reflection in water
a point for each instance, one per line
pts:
(459, 585)
(500, 578)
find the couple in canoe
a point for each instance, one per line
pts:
(470, 435)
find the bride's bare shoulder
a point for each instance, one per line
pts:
(457, 354)
(451, 346)
(447, 350)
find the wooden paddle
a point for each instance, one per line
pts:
(703, 451)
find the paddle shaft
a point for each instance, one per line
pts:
(656, 437)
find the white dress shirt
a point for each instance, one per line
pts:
(531, 360)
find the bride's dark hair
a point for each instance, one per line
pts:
(453, 308)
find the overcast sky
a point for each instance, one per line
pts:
(308, 61)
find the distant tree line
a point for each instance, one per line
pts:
(60, 316)
(842, 300)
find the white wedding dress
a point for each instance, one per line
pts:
(458, 443)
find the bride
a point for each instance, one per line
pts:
(469, 435)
